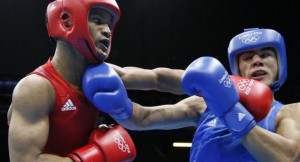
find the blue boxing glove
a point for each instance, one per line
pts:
(104, 88)
(207, 77)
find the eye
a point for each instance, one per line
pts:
(100, 20)
(266, 53)
(246, 56)
(97, 19)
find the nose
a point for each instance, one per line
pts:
(106, 31)
(256, 60)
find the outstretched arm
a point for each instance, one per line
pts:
(182, 114)
(109, 87)
(160, 79)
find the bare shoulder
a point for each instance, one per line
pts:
(32, 101)
(32, 92)
(288, 117)
(294, 106)
(290, 110)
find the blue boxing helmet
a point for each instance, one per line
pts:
(256, 38)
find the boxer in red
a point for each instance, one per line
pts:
(49, 117)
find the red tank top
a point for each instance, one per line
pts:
(73, 116)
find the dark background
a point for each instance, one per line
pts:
(151, 33)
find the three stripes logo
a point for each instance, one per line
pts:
(68, 106)
(212, 123)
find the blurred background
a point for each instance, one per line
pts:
(156, 33)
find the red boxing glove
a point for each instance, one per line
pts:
(254, 95)
(106, 144)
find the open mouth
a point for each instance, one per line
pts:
(258, 75)
(105, 43)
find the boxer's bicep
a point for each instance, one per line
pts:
(136, 78)
(29, 123)
(160, 79)
(26, 139)
(288, 125)
(169, 80)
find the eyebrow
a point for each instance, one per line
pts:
(262, 49)
(269, 48)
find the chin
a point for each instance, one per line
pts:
(101, 56)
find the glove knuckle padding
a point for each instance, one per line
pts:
(255, 96)
(106, 144)
(208, 76)
(90, 79)
(104, 88)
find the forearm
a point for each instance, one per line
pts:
(183, 114)
(51, 158)
(42, 157)
(267, 146)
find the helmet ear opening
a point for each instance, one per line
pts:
(65, 17)
(68, 24)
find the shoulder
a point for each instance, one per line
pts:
(288, 113)
(290, 110)
(33, 92)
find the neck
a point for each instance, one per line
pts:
(69, 63)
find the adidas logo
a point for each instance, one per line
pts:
(68, 106)
(212, 123)
(241, 116)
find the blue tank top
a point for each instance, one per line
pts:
(213, 142)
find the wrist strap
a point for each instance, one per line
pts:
(126, 113)
(87, 153)
(74, 157)
(238, 120)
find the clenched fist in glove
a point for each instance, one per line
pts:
(105, 89)
(207, 77)
(106, 144)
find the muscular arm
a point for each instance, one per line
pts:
(182, 114)
(32, 101)
(284, 145)
(160, 79)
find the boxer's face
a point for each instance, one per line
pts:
(259, 64)
(100, 22)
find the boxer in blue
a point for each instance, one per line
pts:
(227, 130)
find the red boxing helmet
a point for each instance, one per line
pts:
(68, 19)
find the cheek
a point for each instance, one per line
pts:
(274, 70)
(243, 69)
(272, 64)
(92, 31)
